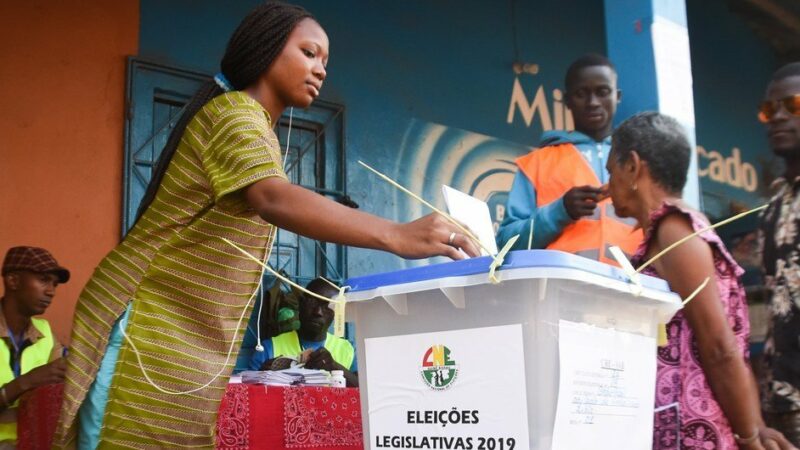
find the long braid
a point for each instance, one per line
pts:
(252, 49)
(206, 92)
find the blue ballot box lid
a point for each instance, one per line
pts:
(521, 259)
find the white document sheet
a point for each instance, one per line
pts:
(606, 389)
(473, 213)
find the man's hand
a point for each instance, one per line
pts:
(321, 359)
(581, 201)
(267, 365)
(49, 373)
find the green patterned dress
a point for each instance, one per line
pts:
(188, 286)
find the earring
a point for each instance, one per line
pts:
(633, 187)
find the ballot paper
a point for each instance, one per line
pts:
(606, 388)
(473, 213)
(287, 377)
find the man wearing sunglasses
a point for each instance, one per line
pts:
(779, 238)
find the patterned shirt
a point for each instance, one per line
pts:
(187, 287)
(780, 243)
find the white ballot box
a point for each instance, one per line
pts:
(560, 354)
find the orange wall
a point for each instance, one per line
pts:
(62, 89)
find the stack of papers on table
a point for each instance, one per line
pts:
(287, 377)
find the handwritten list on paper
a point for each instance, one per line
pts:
(606, 388)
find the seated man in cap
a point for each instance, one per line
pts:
(324, 351)
(30, 356)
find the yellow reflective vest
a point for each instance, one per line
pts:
(33, 356)
(556, 169)
(288, 344)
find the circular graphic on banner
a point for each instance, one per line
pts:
(438, 370)
(432, 155)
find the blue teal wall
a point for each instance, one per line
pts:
(731, 67)
(638, 33)
(428, 87)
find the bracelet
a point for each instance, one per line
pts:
(747, 440)
(3, 394)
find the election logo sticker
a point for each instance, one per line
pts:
(439, 370)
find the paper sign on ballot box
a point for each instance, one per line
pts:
(606, 390)
(459, 389)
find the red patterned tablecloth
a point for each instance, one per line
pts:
(253, 416)
(250, 417)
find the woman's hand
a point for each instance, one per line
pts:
(772, 439)
(431, 235)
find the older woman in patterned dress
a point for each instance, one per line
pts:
(706, 396)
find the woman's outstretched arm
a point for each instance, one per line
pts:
(299, 210)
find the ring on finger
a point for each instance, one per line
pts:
(451, 238)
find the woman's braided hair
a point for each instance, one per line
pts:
(251, 50)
